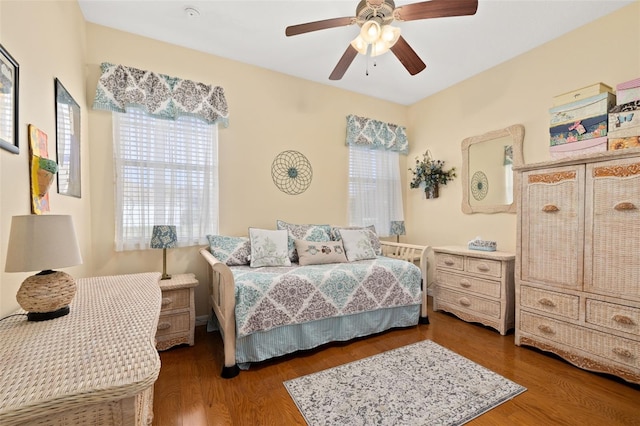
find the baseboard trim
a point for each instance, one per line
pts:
(202, 320)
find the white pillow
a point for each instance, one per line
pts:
(269, 247)
(357, 244)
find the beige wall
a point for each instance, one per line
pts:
(271, 112)
(47, 39)
(519, 91)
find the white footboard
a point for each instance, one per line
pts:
(222, 298)
(411, 253)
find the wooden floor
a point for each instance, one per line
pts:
(190, 392)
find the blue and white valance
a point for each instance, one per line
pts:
(121, 87)
(376, 134)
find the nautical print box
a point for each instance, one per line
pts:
(590, 107)
(579, 130)
(628, 91)
(589, 146)
(579, 94)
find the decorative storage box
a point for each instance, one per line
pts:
(628, 91)
(483, 245)
(623, 143)
(589, 146)
(593, 106)
(623, 120)
(585, 92)
(580, 130)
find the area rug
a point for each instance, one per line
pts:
(418, 384)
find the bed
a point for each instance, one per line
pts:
(268, 312)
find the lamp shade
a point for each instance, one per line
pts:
(163, 237)
(42, 242)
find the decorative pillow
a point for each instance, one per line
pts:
(230, 250)
(268, 248)
(306, 232)
(318, 253)
(357, 244)
(371, 230)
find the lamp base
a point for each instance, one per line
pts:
(165, 276)
(45, 316)
(47, 294)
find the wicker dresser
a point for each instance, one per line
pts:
(578, 263)
(95, 366)
(475, 285)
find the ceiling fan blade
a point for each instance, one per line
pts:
(343, 64)
(436, 9)
(407, 56)
(318, 25)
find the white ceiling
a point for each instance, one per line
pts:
(252, 32)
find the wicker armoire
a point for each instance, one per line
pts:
(578, 261)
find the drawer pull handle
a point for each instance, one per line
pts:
(546, 329)
(623, 319)
(449, 262)
(465, 283)
(625, 205)
(464, 301)
(550, 208)
(166, 301)
(547, 302)
(483, 267)
(164, 326)
(626, 353)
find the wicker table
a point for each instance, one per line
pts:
(96, 365)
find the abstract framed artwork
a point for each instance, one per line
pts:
(42, 170)
(67, 142)
(9, 73)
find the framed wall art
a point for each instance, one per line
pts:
(9, 73)
(67, 142)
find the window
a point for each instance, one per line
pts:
(375, 192)
(166, 174)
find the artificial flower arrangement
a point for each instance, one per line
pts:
(430, 174)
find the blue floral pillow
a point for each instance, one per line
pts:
(306, 232)
(230, 250)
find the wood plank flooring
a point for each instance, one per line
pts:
(190, 392)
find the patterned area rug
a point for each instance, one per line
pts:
(418, 384)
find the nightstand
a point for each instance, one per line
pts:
(178, 312)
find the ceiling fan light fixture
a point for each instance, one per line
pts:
(370, 31)
(390, 34)
(380, 47)
(360, 45)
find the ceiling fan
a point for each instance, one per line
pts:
(377, 36)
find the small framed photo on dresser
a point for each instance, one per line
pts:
(9, 72)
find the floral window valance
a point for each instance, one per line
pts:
(121, 87)
(376, 134)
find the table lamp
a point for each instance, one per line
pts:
(164, 237)
(42, 243)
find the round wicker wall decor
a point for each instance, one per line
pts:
(291, 172)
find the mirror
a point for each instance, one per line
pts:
(487, 174)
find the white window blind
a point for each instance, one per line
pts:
(166, 174)
(375, 192)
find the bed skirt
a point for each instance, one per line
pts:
(287, 339)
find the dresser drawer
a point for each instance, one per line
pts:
(452, 261)
(490, 268)
(613, 316)
(175, 299)
(618, 349)
(466, 283)
(173, 323)
(565, 305)
(448, 298)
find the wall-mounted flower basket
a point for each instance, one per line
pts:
(429, 174)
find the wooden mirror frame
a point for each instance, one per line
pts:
(516, 132)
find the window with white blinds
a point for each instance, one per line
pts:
(166, 174)
(375, 191)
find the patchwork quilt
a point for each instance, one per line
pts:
(271, 297)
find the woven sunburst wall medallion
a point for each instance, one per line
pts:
(479, 185)
(291, 172)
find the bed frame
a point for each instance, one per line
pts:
(221, 287)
